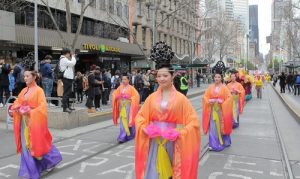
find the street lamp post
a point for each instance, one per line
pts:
(35, 36)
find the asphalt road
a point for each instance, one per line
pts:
(255, 152)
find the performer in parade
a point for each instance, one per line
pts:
(125, 104)
(217, 114)
(258, 86)
(32, 137)
(167, 143)
(238, 94)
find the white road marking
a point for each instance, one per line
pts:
(85, 164)
(129, 152)
(107, 152)
(89, 150)
(70, 162)
(8, 166)
(77, 145)
(229, 166)
(274, 170)
(66, 153)
(214, 175)
(238, 176)
(204, 159)
(129, 172)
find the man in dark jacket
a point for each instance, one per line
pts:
(290, 81)
(282, 82)
(18, 73)
(47, 75)
(4, 82)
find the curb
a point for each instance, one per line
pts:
(287, 104)
(110, 112)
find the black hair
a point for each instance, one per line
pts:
(125, 75)
(162, 55)
(65, 51)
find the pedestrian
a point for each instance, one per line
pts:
(146, 87)
(125, 104)
(167, 143)
(290, 82)
(91, 90)
(79, 86)
(98, 89)
(11, 82)
(4, 83)
(19, 76)
(66, 65)
(258, 87)
(238, 98)
(297, 84)
(47, 75)
(282, 82)
(198, 78)
(106, 88)
(217, 114)
(32, 136)
(184, 84)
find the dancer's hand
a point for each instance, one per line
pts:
(152, 131)
(170, 134)
(212, 101)
(220, 101)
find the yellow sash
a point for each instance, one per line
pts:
(163, 162)
(235, 98)
(216, 109)
(26, 132)
(123, 115)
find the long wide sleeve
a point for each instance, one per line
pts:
(134, 107)
(206, 109)
(227, 110)
(115, 106)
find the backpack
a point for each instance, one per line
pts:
(20, 75)
(57, 72)
(298, 79)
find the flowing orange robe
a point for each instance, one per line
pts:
(226, 120)
(39, 135)
(134, 103)
(186, 148)
(241, 93)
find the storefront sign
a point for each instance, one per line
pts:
(101, 48)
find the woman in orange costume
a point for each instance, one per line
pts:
(33, 139)
(217, 114)
(238, 94)
(167, 143)
(125, 102)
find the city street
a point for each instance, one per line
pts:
(256, 152)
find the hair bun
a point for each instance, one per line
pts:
(161, 53)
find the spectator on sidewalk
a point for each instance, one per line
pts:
(258, 87)
(47, 75)
(290, 81)
(98, 89)
(79, 86)
(4, 82)
(282, 82)
(198, 78)
(19, 76)
(297, 84)
(184, 85)
(106, 88)
(11, 79)
(67, 63)
(91, 90)
(146, 87)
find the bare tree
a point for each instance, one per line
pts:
(13, 5)
(84, 7)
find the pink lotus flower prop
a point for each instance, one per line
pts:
(24, 109)
(153, 131)
(220, 101)
(170, 134)
(125, 96)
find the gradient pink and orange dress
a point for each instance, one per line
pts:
(125, 103)
(238, 96)
(32, 137)
(182, 155)
(217, 117)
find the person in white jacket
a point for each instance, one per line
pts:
(66, 64)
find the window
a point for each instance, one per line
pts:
(144, 37)
(173, 23)
(119, 9)
(171, 40)
(126, 13)
(139, 7)
(166, 38)
(98, 29)
(162, 18)
(74, 23)
(151, 37)
(168, 21)
(111, 6)
(149, 12)
(178, 24)
(102, 4)
(159, 37)
(93, 3)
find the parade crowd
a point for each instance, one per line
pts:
(166, 127)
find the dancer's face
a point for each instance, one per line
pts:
(125, 80)
(233, 77)
(164, 78)
(218, 78)
(29, 78)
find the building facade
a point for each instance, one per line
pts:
(103, 39)
(174, 21)
(253, 27)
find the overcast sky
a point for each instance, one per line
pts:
(264, 22)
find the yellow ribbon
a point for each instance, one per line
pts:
(235, 98)
(123, 115)
(26, 132)
(163, 162)
(216, 109)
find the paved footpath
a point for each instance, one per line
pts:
(256, 152)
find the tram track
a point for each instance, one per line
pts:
(288, 172)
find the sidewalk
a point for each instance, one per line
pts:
(292, 101)
(106, 109)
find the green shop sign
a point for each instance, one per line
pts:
(101, 48)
